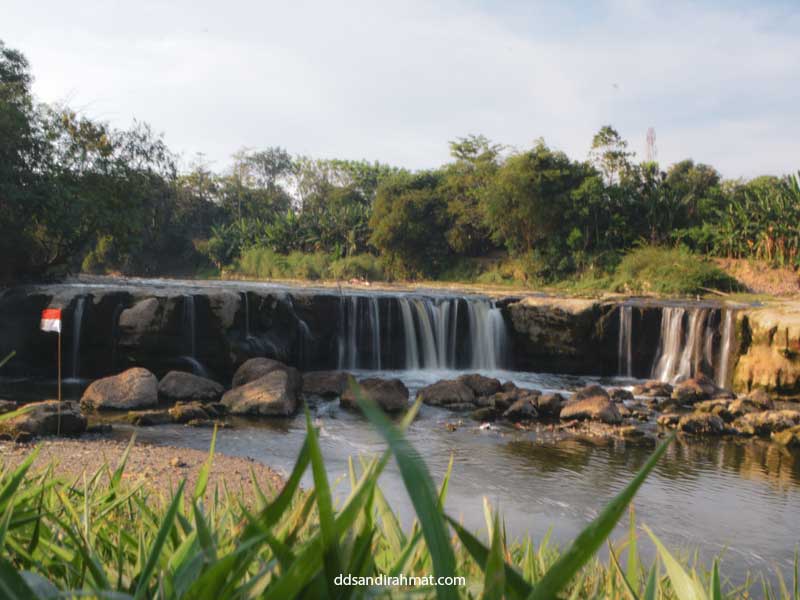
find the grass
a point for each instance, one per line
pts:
(263, 263)
(96, 537)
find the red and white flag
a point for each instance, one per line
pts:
(51, 319)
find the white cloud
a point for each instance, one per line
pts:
(395, 81)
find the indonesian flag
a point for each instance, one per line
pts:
(51, 319)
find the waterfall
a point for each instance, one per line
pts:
(727, 341)
(690, 361)
(426, 335)
(670, 343)
(246, 303)
(624, 346)
(77, 321)
(375, 328)
(409, 335)
(188, 324)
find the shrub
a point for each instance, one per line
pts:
(362, 266)
(669, 271)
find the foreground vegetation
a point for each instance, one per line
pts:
(99, 537)
(76, 194)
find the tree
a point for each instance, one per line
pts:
(610, 154)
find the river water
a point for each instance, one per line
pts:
(740, 498)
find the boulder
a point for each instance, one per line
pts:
(326, 384)
(6, 406)
(594, 408)
(767, 422)
(446, 393)
(523, 409)
(131, 389)
(485, 413)
(695, 389)
(701, 423)
(480, 384)
(668, 420)
(620, 395)
(788, 437)
(590, 391)
(653, 389)
(549, 405)
(272, 395)
(508, 386)
(390, 394)
(177, 386)
(759, 397)
(719, 407)
(42, 418)
(142, 317)
(149, 418)
(255, 368)
(183, 412)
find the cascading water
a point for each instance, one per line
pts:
(728, 340)
(430, 331)
(77, 322)
(625, 344)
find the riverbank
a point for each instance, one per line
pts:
(157, 468)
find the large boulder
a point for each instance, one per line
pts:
(272, 395)
(701, 423)
(550, 405)
(590, 391)
(390, 394)
(326, 384)
(695, 389)
(177, 386)
(594, 408)
(132, 389)
(480, 384)
(46, 418)
(446, 393)
(767, 422)
(149, 418)
(653, 389)
(255, 368)
(523, 409)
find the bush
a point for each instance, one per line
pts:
(362, 266)
(669, 271)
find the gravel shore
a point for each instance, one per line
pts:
(159, 468)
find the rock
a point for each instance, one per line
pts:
(509, 386)
(177, 462)
(100, 428)
(255, 368)
(183, 412)
(549, 405)
(590, 391)
(480, 384)
(177, 386)
(719, 407)
(668, 420)
(445, 393)
(149, 418)
(695, 389)
(767, 422)
(272, 395)
(788, 437)
(759, 397)
(485, 413)
(23, 437)
(141, 317)
(523, 409)
(620, 395)
(741, 406)
(595, 408)
(6, 406)
(204, 423)
(131, 389)
(653, 389)
(42, 418)
(218, 408)
(461, 407)
(390, 394)
(326, 384)
(704, 423)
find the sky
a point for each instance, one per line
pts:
(395, 81)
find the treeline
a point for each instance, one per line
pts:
(78, 195)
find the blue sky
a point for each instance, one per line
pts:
(394, 81)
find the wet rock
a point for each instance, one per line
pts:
(668, 420)
(446, 393)
(272, 395)
(149, 418)
(590, 391)
(390, 394)
(480, 384)
(509, 386)
(760, 398)
(701, 423)
(653, 389)
(177, 386)
(485, 413)
(594, 408)
(141, 318)
(131, 389)
(620, 395)
(100, 428)
(767, 422)
(788, 437)
(46, 418)
(326, 384)
(202, 423)
(549, 405)
(523, 409)
(461, 407)
(624, 411)
(6, 406)
(719, 407)
(183, 412)
(693, 390)
(255, 368)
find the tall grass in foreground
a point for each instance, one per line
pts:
(98, 537)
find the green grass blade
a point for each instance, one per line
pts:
(651, 589)
(423, 495)
(632, 569)
(202, 476)
(618, 569)
(494, 581)
(590, 539)
(12, 585)
(683, 585)
(715, 587)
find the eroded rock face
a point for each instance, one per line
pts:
(275, 394)
(255, 368)
(326, 384)
(132, 389)
(177, 386)
(594, 408)
(390, 394)
(446, 393)
(47, 418)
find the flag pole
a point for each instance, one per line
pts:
(58, 426)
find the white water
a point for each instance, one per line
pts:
(412, 352)
(728, 335)
(625, 344)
